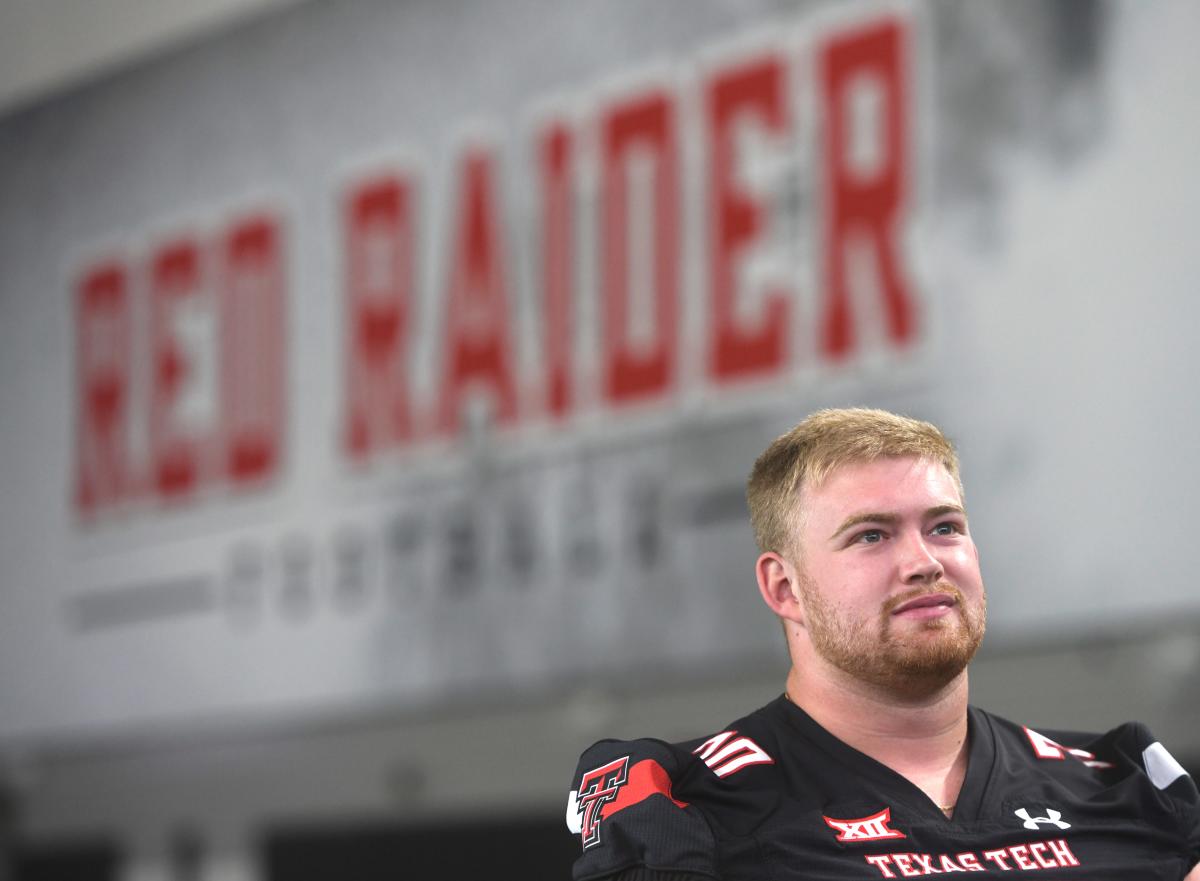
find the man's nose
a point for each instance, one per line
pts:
(918, 564)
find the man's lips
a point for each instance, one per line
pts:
(930, 601)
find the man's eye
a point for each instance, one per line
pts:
(946, 529)
(871, 536)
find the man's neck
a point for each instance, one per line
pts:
(922, 736)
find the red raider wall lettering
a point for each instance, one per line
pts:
(752, 90)
(637, 162)
(632, 146)
(215, 304)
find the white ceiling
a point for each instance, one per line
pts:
(47, 45)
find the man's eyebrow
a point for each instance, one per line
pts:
(891, 519)
(939, 510)
(869, 517)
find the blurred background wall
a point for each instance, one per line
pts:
(380, 380)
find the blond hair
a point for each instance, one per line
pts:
(825, 441)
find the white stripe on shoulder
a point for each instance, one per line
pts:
(574, 820)
(1161, 765)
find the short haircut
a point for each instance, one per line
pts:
(825, 441)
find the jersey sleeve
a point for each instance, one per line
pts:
(627, 807)
(1133, 745)
(1177, 784)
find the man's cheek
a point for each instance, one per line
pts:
(966, 560)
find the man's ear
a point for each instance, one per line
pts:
(778, 583)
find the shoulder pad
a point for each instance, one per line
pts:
(1131, 750)
(625, 808)
(1139, 746)
(1131, 746)
(1135, 741)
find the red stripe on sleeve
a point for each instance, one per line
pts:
(646, 778)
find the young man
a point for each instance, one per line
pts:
(872, 764)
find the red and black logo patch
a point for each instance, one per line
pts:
(614, 786)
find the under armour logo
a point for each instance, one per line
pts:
(872, 828)
(1052, 818)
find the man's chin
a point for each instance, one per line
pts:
(909, 658)
(935, 669)
(910, 670)
(933, 657)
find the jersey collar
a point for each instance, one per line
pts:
(981, 758)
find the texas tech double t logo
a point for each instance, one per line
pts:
(598, 787)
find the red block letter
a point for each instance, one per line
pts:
(554, 162)
(640, 246)
(252, 346)
(182, 334)
(866, 174)
(477, 347)
(379, 279)
(737, 349)
(102, 385)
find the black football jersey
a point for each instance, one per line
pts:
(775, 797)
